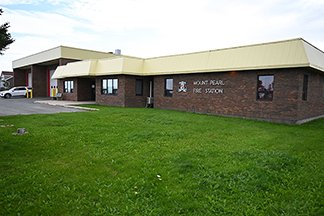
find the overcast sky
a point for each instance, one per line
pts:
(148, 28)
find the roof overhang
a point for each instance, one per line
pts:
(101, 67)
(296, 53)
(51, 56)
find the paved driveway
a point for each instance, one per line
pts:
(23, 106)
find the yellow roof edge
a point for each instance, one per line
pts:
(220, 70)
(93, 66)
(193, 71)
(229, 48)
(61, 46)
(77, 48)
(34, 54)
(128, 56)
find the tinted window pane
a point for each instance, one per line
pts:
(169, 84)
(168, 91)
(139, 87)
(115, 83)
(265, 87)
(109, 86)
(68, 86)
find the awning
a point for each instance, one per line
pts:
(75, 69)
(101, 67)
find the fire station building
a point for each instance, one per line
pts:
(280, 81)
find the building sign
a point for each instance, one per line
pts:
(204, 86)
(208, 87)
(209, 82)
(183, 86)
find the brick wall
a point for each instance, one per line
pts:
(112, 100)
(226, 93)
(126, 96)
(239, 95)
(131, 99)
(69, 96)
(40, 79)
(314, 105)
(20, 77)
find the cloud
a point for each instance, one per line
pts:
(12, 2)
(148, 28)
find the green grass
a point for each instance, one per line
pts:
(108, 162)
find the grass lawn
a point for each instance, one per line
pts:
(123, 161)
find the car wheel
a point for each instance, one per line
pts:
(7, 96)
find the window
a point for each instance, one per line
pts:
(68, 86)
(265, 87)
(139, 87)
(20, 89)
(109, 86)
(168, 90)
(305, 87)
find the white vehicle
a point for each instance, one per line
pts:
(19, 91)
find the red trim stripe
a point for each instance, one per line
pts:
(48, 83)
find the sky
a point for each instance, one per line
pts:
(150, 28)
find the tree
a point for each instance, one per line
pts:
(5, 36)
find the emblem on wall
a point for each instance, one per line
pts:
(183, 86)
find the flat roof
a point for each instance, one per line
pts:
(57, 53)
(292, 53)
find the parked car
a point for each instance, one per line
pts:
(19, 91)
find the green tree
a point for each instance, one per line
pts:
(5, 36)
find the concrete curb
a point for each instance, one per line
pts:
(66, 104)
(303, 121)
(81, 108)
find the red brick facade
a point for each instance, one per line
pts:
(40, 77)
(314, 105)
(225, 93)
(125, 96)
(72, 96)
(112, 100)
(219, 93)
(237, 95)
(20, 76)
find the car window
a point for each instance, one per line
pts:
(20, 89)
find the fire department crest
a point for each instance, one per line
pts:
(183, 86)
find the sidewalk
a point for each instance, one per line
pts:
(68, 104)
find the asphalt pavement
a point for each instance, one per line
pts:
(24, 106)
